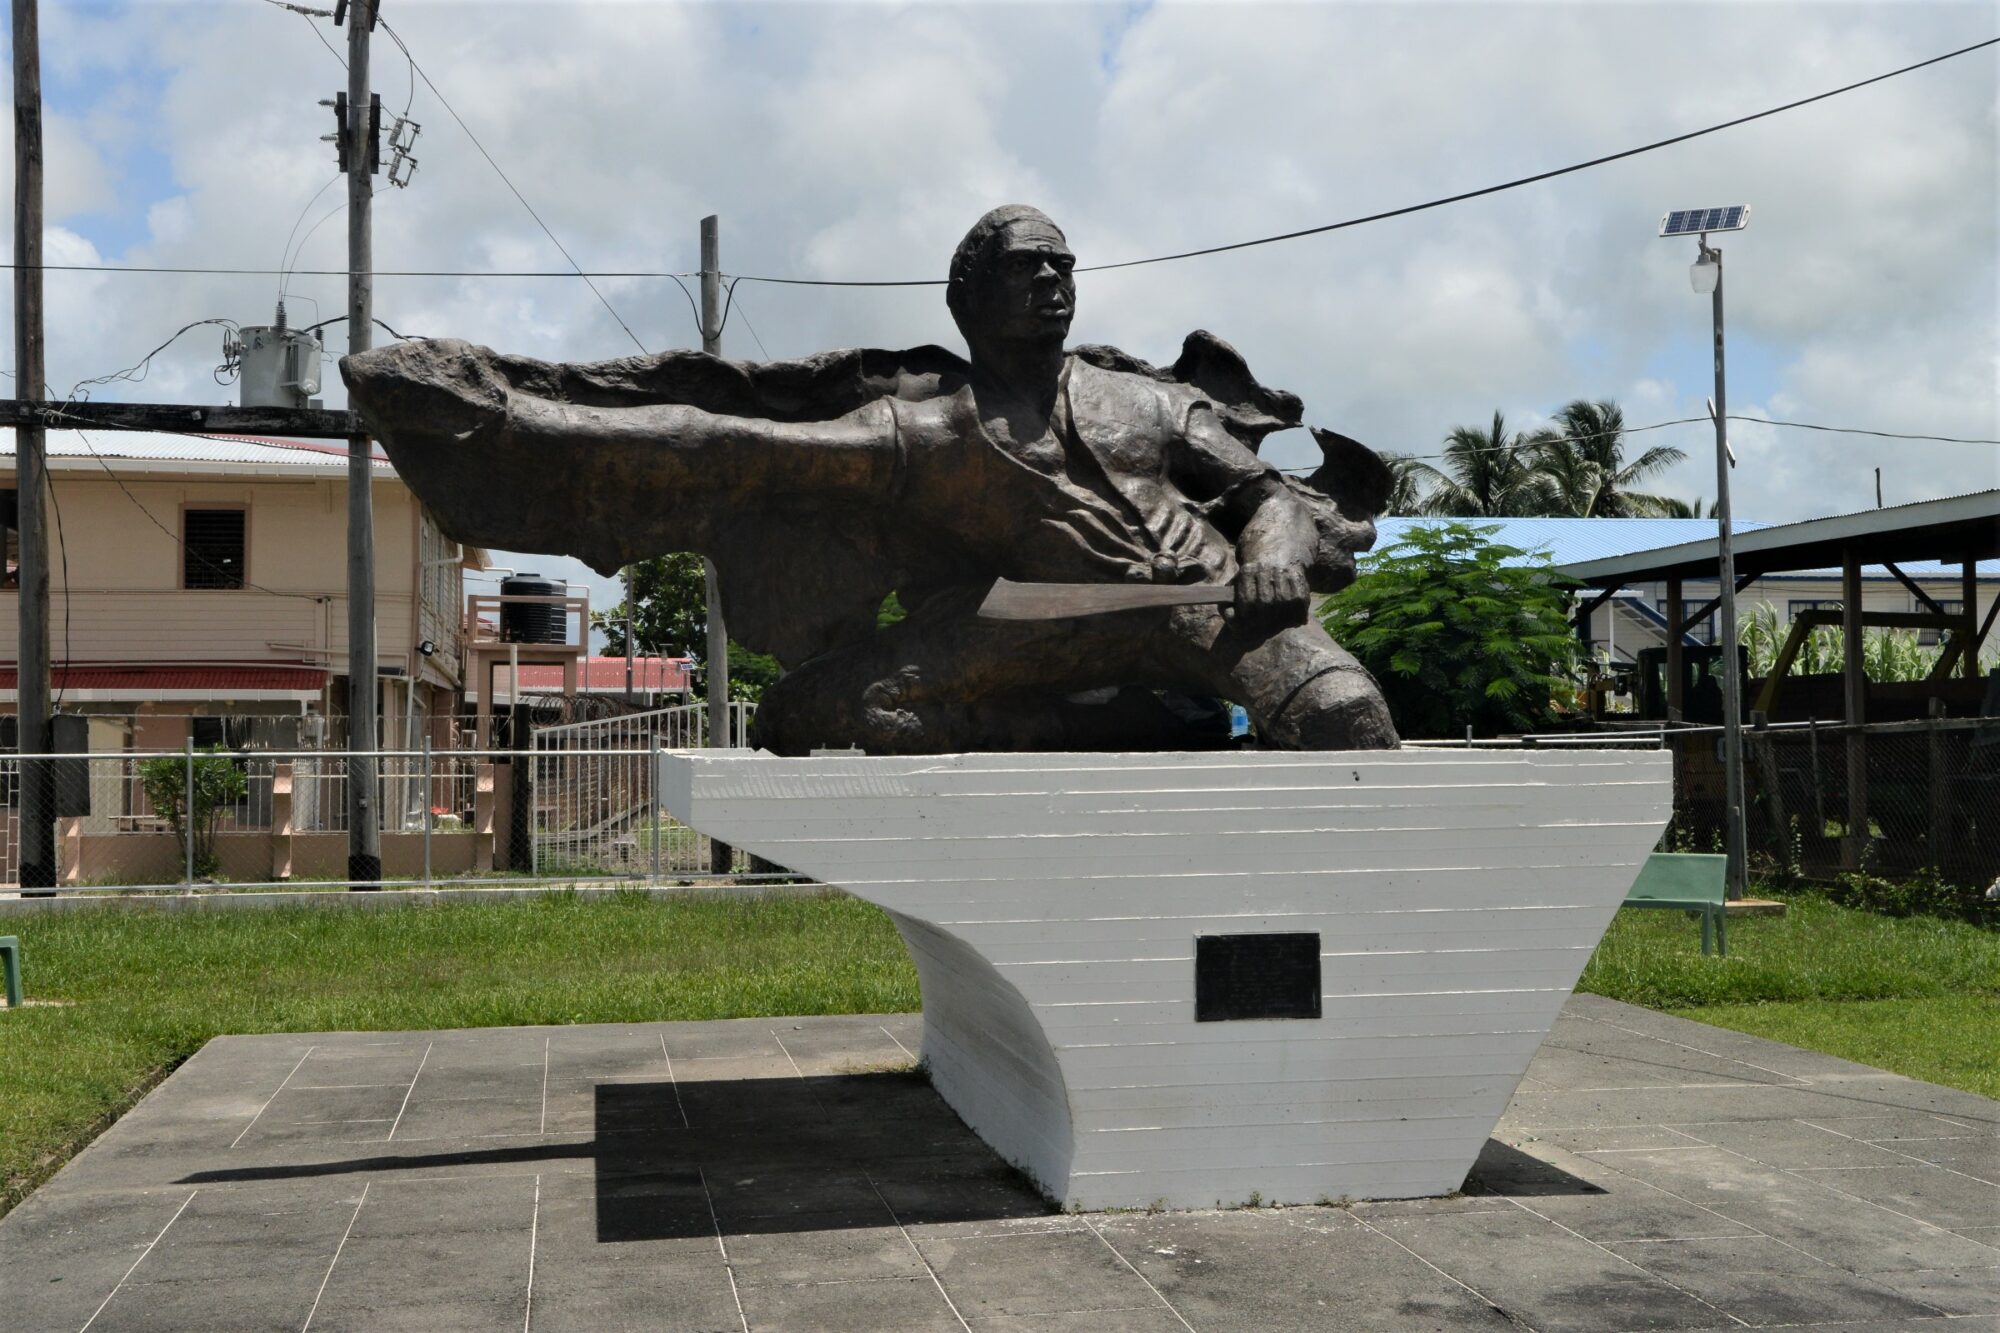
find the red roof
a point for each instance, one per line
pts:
(178, 676)
(606, 675)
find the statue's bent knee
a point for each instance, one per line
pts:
(1341, 708)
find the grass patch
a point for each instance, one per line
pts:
(146, 987)
(1917, 995)
(1952, 1039)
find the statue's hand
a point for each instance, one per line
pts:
(1270, 594)
(440, 386)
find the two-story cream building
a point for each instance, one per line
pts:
(198, 590)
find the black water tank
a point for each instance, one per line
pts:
(532, 622)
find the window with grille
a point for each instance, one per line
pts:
(212, 548)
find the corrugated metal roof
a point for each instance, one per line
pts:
(1573, 541)
(1568, 540)
(1903, 533)
(160, 447)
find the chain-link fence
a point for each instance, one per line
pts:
(1895, 798)
(570, 803)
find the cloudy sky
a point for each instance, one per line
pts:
(841, 141)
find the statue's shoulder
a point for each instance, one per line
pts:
(1107, 384)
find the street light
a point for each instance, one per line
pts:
(1706, 277)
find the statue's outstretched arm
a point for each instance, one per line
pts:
(503, 467)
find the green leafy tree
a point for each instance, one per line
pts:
(1460, 631)
(1488, 474)
(667, 598)
(1583, 461)
(218, 785)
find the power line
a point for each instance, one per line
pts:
(753, 331)
(397, 39)
(577, 271)
(139, 370)
(285, 255)
(297, 9)
(564, 273)
(1527, 446)
(1432, 203)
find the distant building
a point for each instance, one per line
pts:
(656, 681)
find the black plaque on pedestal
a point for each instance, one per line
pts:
(1256, 976)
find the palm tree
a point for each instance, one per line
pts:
(1584, 461)
(1488, 474)
(1674, 507)
(1406, 486)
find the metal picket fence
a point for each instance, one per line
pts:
(594, 809)
(574, 803)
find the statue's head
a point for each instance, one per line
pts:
(1011, 280)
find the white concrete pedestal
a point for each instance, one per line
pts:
(1053, 901)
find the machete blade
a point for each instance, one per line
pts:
(1060, 601)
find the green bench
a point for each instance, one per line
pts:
(1686, 882)
(10, 960)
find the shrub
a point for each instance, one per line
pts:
(1460, 631)
(218, 784)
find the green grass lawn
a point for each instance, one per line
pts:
(143, 989)
(1917, 995)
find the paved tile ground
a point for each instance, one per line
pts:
(794, 1174)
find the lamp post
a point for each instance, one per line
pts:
(1706, 276)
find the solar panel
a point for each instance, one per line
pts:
(1694, 221)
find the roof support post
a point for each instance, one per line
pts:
(1968, 605)
(1676, 637)
(1854, 683)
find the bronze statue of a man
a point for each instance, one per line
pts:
(819, 486)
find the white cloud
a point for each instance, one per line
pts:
(860, 141)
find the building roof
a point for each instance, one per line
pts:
(1930, 538)
(1568, 540)
(189, 681)
(128, 451)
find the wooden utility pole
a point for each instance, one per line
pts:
(364, 817)
(721, 858)
(38, 831)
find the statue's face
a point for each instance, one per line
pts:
(1028, 293)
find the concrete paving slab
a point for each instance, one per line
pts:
(1788, 1144)
(1975, 1157)
(1293, 1269)
(1762, 1282)
(1942, 1198)
(915, 1304)
(1552, 1279)
(1844, 1230)
(1966, 1292)
(793, 1173)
